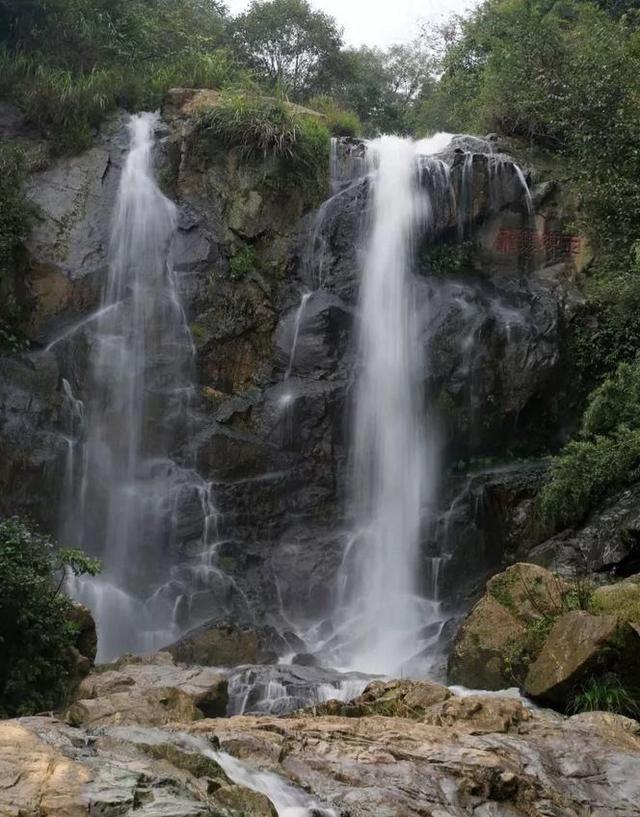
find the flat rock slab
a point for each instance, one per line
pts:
(463, 757)
(151, 691)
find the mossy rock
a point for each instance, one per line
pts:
(622, 600)
(194, 763)
(479, 658)
(580, 646)
(529, 591)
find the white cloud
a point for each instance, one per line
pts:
(379, 22)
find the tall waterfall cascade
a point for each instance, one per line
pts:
(389, 616)
(394, 451)
(126, 495)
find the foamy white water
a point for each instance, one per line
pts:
(126, 494)
(394, 453)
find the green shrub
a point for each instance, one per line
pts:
(243, 262)
(606, 693)
(604, 457)
(36, 630)
(14, 224)
(341, 122)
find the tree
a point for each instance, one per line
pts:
(287, 43)
(37, 632)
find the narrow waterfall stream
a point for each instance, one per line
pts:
(125, 493)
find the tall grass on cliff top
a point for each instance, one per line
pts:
(68, 106)
(270, 127)
(68, 63)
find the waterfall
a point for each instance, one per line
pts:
(394, 450)
(132, 504)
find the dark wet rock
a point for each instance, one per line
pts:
(33, 451)
(608, 542)
(277, 690)
(488, 520)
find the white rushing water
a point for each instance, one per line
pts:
(126, 496)
(394, 450)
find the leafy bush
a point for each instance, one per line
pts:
(341, 122)
(36, 629)
(564, 75)
(606, 693)
(606, 456)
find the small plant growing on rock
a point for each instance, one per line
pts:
(605, 693)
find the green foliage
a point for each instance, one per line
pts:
(340, 122)
(14, 221)
(287, 43)
(606, 456)
(36, 633)
(616, 402)
(606, 693)
(268, 127)
(68, 63)
(562, 74)
(448, 259)
(243, 262)
(386, 89)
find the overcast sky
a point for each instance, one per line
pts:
(379, 22)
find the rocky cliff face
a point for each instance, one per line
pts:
(270, 286)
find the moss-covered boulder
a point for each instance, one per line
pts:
(506, 627)
(478, 658)
(621, 599)
(580, 646)
(223, 645)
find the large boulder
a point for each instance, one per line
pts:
(579, 646)
(150, 691)
(479, 652)
(500, 631)
(224, 645)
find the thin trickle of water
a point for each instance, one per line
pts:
(465, 205)
(129, 498)
(296, 333)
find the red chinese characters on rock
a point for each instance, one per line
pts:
(556, 246)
